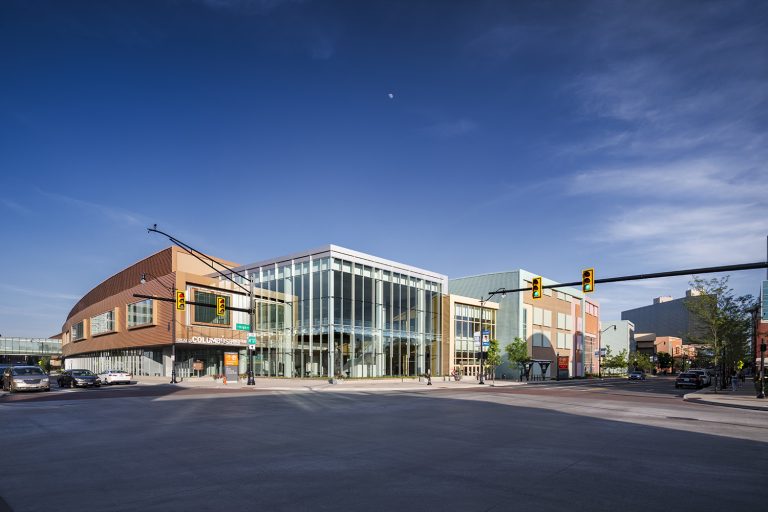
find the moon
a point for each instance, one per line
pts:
(391, 96)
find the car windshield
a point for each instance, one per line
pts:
(28, 371)
(82, 373)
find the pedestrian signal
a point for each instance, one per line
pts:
(181, 300)
(588, 280)
(221, 306)
(536, 288)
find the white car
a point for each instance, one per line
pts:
(706, 378)
(115, 377)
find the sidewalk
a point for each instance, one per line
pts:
(744, 397)
(286, 384)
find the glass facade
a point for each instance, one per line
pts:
(467, 326)
(345, 317)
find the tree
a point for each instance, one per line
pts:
(665, 360)
(640, 361)
(517, 353)
(722, 320)
(493, 357)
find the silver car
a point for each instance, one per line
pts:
(19, 378)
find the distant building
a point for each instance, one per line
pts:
(551, 326)
(618, 335)
(666, 317)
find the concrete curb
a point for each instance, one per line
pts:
(736, 402)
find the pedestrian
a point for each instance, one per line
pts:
(742, 375)
(734, 380)
(429, 377)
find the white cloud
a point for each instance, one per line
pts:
(16, 207)
(117, 215)
(682, 181)
(40, 293)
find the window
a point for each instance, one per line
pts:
(561, 340)
(207, 314)
(78, 331)
(560, 322)
(548, 292)
(537, 337)
(103, 323)
(537, 316)
(140, 313)
(547, 318)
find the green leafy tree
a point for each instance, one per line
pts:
(665, 360)
(613, 363)
(639, 361)
(493, 357)
(517, 353)
(722, 321)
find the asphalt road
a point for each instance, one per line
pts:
(611, 445)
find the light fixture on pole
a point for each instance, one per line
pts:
(600, 351)
(761, 393)
(172, 291)
(482, 310)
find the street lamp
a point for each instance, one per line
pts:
(482, 309)
(172, 291)
(600, 351)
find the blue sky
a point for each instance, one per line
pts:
(550, 136)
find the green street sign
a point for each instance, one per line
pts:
(242, 327)
(252, 339)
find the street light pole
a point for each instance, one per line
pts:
(173, 323)
(482, 309)
(600, 351)
(482, 352)
(761, 394)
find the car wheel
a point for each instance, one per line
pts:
(72, 384)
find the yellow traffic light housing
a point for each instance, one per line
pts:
(536, 288)
(221, 306)
(588, 280)
(181, 300)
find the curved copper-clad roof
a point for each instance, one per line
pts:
(159, 264)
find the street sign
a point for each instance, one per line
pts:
(242, 327)
(486, 331)
(486, 343)
(252, 340)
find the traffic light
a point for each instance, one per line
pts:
(221, 305)
(181, 300)
(588, 280)
(536, 288)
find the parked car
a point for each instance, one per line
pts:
(706, 378)
(637, 375)
(688, 379)
(18, 378)
(115, 377)
(81, 378)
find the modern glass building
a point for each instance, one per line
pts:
(335, 312)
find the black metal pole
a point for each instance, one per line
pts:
(761, 394)
(251, 380)
(482, 353)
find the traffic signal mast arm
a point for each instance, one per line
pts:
(190, 303)
(637, 277)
